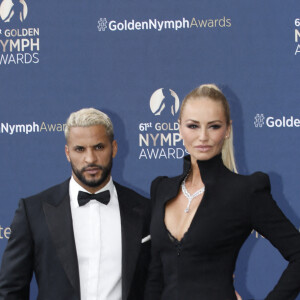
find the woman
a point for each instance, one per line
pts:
(202, 217)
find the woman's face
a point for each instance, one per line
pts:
(203, 128)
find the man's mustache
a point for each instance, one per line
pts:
(92, 166)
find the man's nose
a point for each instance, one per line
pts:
(90, 156)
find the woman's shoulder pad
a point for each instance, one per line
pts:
(259, 181)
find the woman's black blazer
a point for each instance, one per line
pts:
(201, 265)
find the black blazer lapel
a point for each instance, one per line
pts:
(59, 220)
(132, 226)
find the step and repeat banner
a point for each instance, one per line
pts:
(136, 60)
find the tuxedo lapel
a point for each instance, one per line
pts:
(59, 220)
(131, 222)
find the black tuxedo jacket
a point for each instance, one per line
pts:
(42, 241)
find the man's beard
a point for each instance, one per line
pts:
(93, 182)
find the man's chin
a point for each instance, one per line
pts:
(93, 183)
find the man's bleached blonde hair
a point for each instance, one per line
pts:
(88, 117)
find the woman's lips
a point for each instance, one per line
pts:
(203, 148)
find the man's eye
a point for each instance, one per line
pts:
(79, 149)
(99, 147)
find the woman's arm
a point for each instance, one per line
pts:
(269, 221)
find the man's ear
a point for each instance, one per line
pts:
(114, 148)
(67, 153)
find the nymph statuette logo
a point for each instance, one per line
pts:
(13, 10)
(164, 101)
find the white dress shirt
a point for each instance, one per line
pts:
(97, 231)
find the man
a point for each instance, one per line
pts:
(86, 238)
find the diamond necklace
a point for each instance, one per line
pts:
(188, 195)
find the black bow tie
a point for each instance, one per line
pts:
(84, 198)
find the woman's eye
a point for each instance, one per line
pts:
(192, 126)
(215, 126)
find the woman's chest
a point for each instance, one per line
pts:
(220, 219)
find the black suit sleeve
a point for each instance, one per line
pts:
(17, 261)
(155, 279)
(269, 221)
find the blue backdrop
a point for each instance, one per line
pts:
(129, 57)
